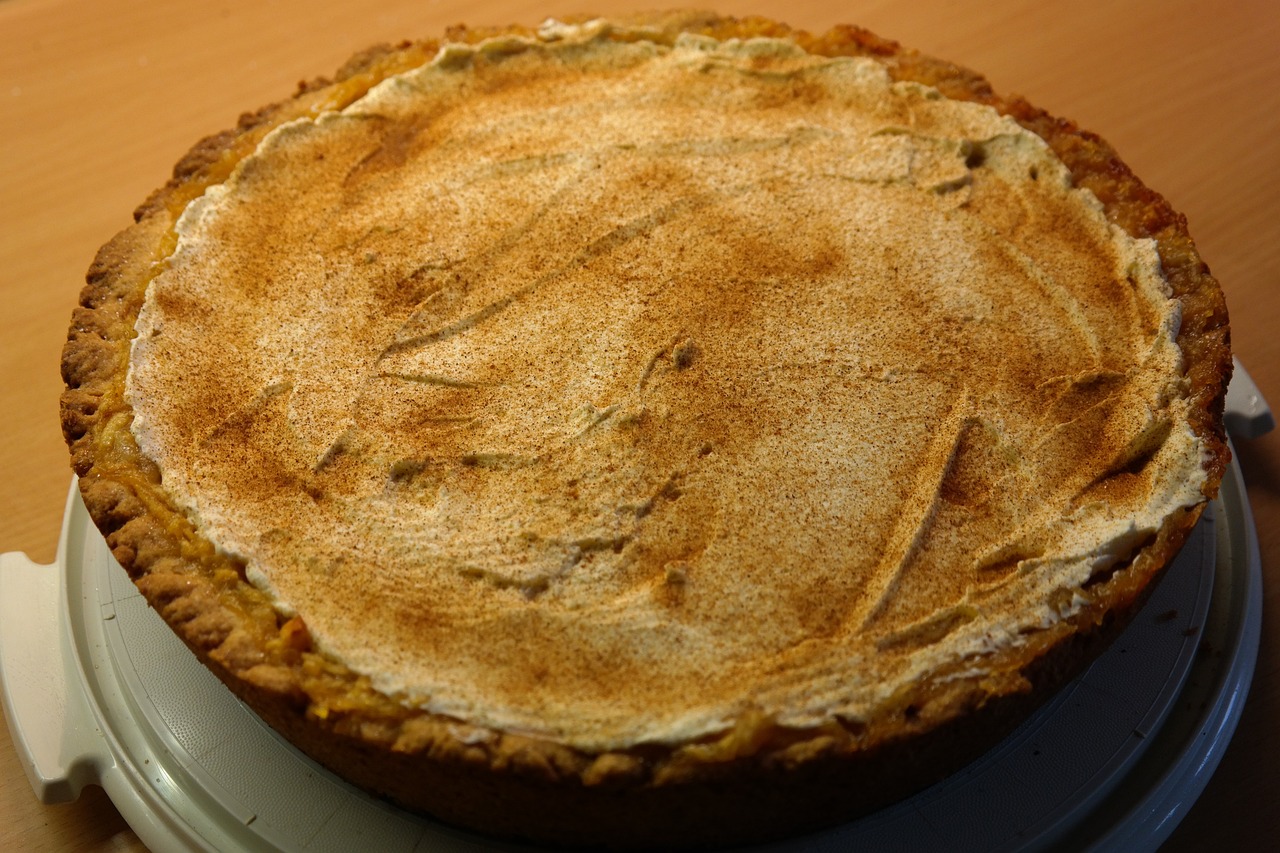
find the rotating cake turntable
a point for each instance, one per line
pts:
(98, 690)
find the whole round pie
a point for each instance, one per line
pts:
(676, 430)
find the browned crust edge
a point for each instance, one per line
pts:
(754, 782)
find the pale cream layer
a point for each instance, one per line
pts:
(607, 391)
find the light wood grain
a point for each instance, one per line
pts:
(99, 97)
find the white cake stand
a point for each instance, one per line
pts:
(97, 689)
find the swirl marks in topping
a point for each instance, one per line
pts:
(602, 390)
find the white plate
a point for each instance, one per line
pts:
(97, 689)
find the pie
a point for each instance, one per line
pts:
(677, 430)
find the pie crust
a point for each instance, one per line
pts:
(752, 772)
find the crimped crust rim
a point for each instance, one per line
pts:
(265, 659)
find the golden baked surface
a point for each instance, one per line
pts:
(640, 401)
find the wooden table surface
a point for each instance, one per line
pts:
(99, 97)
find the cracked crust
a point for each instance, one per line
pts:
(755, 781)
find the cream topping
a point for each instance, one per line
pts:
(607, 391)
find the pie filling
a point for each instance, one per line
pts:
(609, 391)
